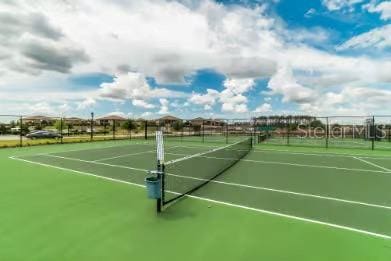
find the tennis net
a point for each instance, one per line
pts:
(185, 175)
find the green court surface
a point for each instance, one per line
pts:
(88, 202)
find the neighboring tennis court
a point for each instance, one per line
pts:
(322, 198)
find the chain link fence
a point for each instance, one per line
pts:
(362, 132)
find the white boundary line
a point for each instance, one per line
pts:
(372, 164)
(280, 163)
(322, 153)
(286, 192)
(125, 155)
(94, 162)
(365, 232)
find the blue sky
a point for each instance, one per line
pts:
(232, 59)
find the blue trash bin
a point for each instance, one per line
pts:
(153, 187)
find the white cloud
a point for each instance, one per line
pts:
(264, 108)
(377, 38)
(384, 8)
(163, 106)
(143, 104)
(232, 98)
(86, 104)
(133, 86)
(284, 83)
(334, 5)
(207, 100)
(141, 40)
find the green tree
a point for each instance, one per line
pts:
(129, 125)
(177, 125)
(3, 129)
(317, 124)
(58, 124)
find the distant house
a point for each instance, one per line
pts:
(38, 120)
(209, 122)
(167, 120)
(75, 121)
(110, 120)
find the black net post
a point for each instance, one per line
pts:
(389, 134)
(146, 129)
(20, 131)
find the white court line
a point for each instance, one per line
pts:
(313, 221)
(285, 192)
(94, 162)
(125, 155)
(280, 163)
(372, 164)
(238, 184)
(323, 154)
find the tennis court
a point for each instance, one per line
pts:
(346, 193)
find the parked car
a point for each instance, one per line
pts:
(43, 134)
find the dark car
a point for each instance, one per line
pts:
(43, 134)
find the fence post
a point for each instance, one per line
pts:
(203, 131)
(146, 129)
(92, 127)
(226, 131)
(327, 132)
(20, 131)
(288, 131)
(373, 132)
(113, 129)
(61, 126)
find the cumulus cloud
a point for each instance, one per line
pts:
(264, 108)
(142, 104)
(163, 106)
(232, 98)
(334, 5)
(376, 38)
(32, 44)
(85, 104)
(242, 43)
(207, 100)
(133, 86)
(284, 83)
(384, 8)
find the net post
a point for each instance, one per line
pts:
(160, 177)
(20, 131)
